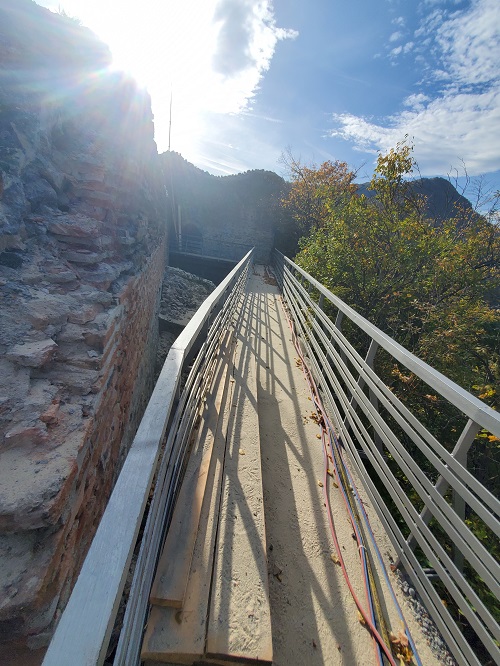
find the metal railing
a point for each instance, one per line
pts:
(207, 246)
(83, 633)
(394, 452)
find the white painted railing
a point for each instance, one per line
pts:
(83, 633)
(386, 441)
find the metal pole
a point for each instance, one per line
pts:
(170, 121)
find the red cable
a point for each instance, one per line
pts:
(315, 395)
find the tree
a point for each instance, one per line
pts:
(430, 284)
(427, 284)
(315, 189)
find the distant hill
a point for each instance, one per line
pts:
(441, 197)
(249, 203)
(204, 196)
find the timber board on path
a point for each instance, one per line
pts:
(171, 580)
(178, 636)
(296, 590)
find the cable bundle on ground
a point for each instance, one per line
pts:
(372, 615)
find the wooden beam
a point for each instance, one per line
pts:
(169, 586)
(179, 635)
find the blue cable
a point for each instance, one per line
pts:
(372, 537)
(361, 547)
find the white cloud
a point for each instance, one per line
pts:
(247, 36)
(400, 21)
(462, 120)
(396, 36)
(212, 55)
(441, 2)
(416, 101)
(444, 132)
(471, 43)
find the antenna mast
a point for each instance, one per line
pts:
(170, 121)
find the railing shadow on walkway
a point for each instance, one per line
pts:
(383, 438)
(281, 454)
(83, 633)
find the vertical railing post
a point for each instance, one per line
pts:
(458, 500)
(460, 454)
(369, 360)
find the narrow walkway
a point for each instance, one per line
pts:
(271, 591)
(313, 619)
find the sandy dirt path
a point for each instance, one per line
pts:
(314, 619)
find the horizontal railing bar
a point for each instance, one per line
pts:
(83, 632)
(85, 626)
(425, 489)
(449, 467)
(128, 650)
(463, 652)
(467, 403)
(427, 537)
(188, 336)
(389, 482)
(341, 372)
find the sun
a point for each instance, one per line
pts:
(168, 47)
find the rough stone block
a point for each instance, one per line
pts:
(23, 435)
(77, 226)
(60, 276)
(84, 257)
(101, 275)
(85, 314)
(50, 415)
(33, 354)
(49, 310)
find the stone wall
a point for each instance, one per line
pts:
(82, 256)
(226, 216)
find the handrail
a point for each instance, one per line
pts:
(208, 246)
(374, 425)
(84, 629)
(469, 404)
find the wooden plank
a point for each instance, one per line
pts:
(169, 586)
(179, 635)
(239, 627)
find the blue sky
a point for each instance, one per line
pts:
(327, 79)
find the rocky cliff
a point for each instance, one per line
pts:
(82, 255)
(441, 201)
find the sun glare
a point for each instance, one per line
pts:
(168, 48)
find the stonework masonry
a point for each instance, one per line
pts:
(82, 257)
(49, 536)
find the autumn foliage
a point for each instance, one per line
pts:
(429, 285)
(432, 285)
